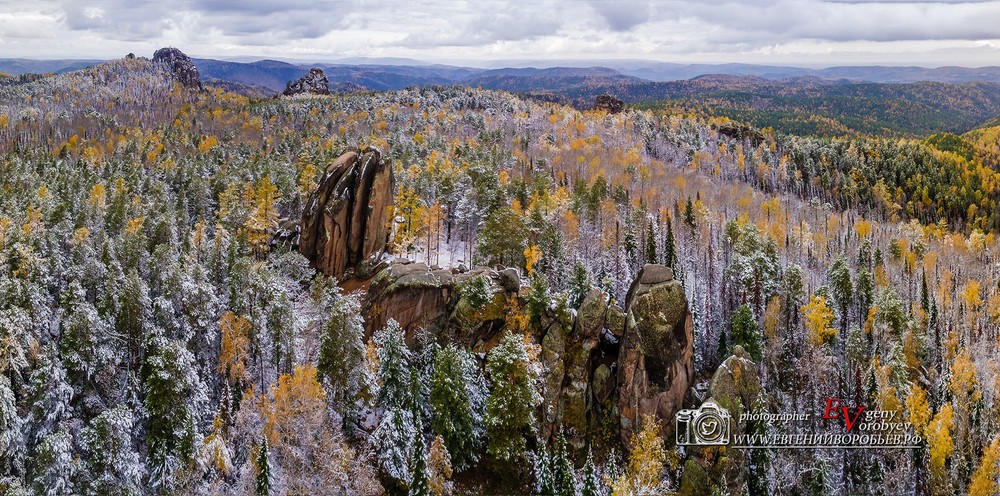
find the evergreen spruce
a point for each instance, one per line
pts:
(591, 482)
(669, 250)
(544, 480)
(418, 479)
(394, 367)
(689, 214)
(457, 400)
(650, 244)
(511, 404)
(745, 331)
(579, 284)
(263, 484)
(565, 480)
(538, 299)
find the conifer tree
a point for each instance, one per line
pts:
(418, 468)
(457, 402)
(342, 350)
(111, 461)
(669, 250)
(650, 244)
(591, 482)
(563, 469)
(745, 331)
(840, 282)
(263, 482)
(538, 299)
(511, 404)
(544, 480)
(55, 467)
(689, 214)
(394, 367)
(579, 284)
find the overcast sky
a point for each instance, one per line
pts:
(476, 32)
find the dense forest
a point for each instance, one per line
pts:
(160, 334)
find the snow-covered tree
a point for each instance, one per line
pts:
(419, 479)
(55, 465)
(175, 397)
(342, 350)
(392, 444)
(457, 400)
(545, 483)
(113, 465)
(511, 403)
(592, 484)
(394, 367)
(263, 483)
(562, 468)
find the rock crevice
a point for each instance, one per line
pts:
(346, 220)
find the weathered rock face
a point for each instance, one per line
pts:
(656, 361)
(609, 104)
(462, 307)
(313, 83)
(346, 220)
(577, 356)
(736, 384)
(179, 65)
(736, 387)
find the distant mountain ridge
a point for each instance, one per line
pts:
(837, 101)
(396, 72)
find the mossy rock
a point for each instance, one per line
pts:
(736, 383)
(694, 480)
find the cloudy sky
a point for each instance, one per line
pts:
(483, 32)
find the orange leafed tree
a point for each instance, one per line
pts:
(235, 346)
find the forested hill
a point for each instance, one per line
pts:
(157, 337)
(811, 106)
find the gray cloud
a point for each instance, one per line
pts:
(472, 29)
(622, 15)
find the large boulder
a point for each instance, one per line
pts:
(313, 82)
(656, 359)
(466, 308)
(609, 104)
(346, 220)
(179, 65)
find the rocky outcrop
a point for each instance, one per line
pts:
(736, 384)
(609, 104)
(179, 65)
(466, 308)
(573, 354)
(602, 366)
(313, 83)
(736, 387)
(656, 360)
(346, 220)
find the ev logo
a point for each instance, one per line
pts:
(709, 425)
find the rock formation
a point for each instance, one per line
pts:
(461, 307)
(596, 364)
(179, 65)
(656, 360)
(346, 220)
(736, 384)
(609, 104)
(736, 387)
(577, 365)
(313, 83)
